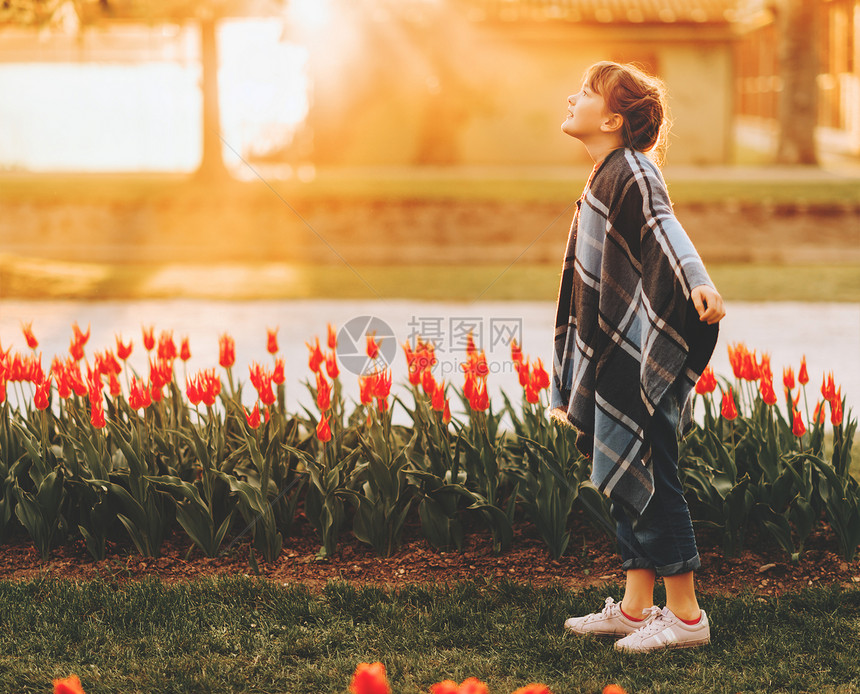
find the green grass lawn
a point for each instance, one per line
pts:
(34, 279)
(249, 635)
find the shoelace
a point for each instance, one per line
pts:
(656, 624)
(605, 612)
(609, 607)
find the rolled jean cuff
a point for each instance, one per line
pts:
(681, 567)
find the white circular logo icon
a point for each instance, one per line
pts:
(352, 341)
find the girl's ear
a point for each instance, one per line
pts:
(613, 123)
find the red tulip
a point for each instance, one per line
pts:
(76, 350)
(31, 369)
(192, 390)
(426, 355)
(728, 409)
(32, 342)
(479, 400)
(148, 338)
(42, 397)
(798, 428)
(446, 413)
(516, 352)
(253, 417)
(166, 346)
(123, 351)
(764, 367)
(767, 393)
(541, 377)
(473, 685)
(210, 387)
(707, 382)
(803, 375)
(736, 358)
(160, 373)
(64, 384)
(836, 409)
(332, 336)
(416, 373)
(185, 350)
(323, 393)
(114, 385)
(366, 385)
(444, 687)
(372, 347)
(316, 358)
(256, 372)
(272, 340)
(139, 396)
(107, 364)
(266, 393)
(382, 384)
(788, 378)
(226, 351)
(481, 367)
(369, 678)
(828, 387)
(428, 382)
(469, 387)
(534, 688)
(750, 369)
(94, 383)
(819, 413)
(97, 414)
(523, 371)
(278, 376)
(331, 365)
(532, 393)
(68, 685)
(324, 430)
(437, 401)
(470, 345)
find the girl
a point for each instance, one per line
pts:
(636, 325)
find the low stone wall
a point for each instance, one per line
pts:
(322, 231)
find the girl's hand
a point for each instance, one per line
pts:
(708, 303)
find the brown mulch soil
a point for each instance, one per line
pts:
(590, 560)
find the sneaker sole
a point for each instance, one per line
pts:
(613, 634)
(668, 646)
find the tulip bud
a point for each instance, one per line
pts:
(728, 409)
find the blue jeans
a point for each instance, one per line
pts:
(662, 537)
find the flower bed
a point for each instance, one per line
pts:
(93, 450)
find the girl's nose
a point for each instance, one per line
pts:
(572, 99)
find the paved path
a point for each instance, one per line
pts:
(828, 334)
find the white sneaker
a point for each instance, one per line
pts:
(611, 621)
(666, 631)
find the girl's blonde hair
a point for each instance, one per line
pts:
(640, 99)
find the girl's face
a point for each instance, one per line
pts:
(587, 115)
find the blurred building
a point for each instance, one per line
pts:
(758, 80)
(484, 82)
(406, 82)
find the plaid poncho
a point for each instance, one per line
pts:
(626, 329)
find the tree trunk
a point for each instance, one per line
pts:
(212, 163)
(799, 68)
